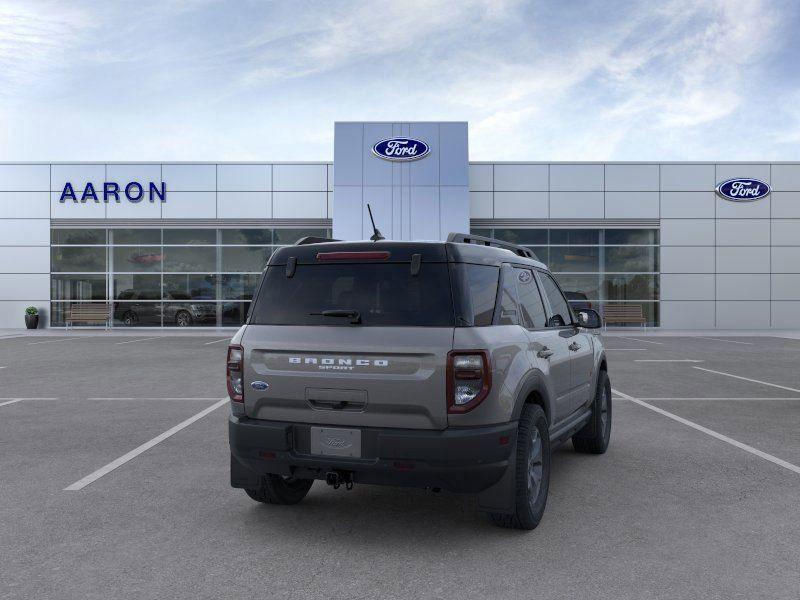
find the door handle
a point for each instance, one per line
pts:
(574, 346)
(545, 352)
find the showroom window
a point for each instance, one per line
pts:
(596, 267)
(164, 277)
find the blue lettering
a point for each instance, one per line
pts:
(110, 189)
(89, 193)
(67, 192)
(154, 191)
(134, 186)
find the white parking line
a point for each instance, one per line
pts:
(174, 398)
(680, 360)
(775, 385)
(4, 367)
(92, 477)
(712, 433)
(139, 340)
(626, 349)
(726, 399)
(66, 339)
(640, 340)
(218, 341)
(724, 340)
(11, 402)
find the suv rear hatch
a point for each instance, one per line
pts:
(351, 334)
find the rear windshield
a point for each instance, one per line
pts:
(384, 294)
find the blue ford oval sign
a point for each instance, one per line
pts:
(401, 149)
(743, 189)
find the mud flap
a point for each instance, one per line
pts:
(501, 497)
(242, 476)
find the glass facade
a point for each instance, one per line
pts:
(163, 277)
(597, 267)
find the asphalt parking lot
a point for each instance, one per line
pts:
(697, 497)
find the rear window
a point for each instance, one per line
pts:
(384, 295)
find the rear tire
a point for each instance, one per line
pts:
(275, 489)
(532, 480)
(594, 437)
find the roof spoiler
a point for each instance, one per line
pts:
(468, 238)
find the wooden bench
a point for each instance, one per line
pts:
(624, 313)
(88, 313)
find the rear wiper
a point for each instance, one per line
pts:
(353, 315)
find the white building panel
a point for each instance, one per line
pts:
(424, 171)
(125, 173)
(687, 259)
(455, 212)
(757, 209)
(520, 205)
(330, 177)
(576, 205)
(136, 210)
(348, 165)
(786, 259)
(377, 171)
(30, 259)
(742, 232)
(299, 205)
(24, 205)
(785, 232)
(76, 210)
(24, 178)
(687, 178)
(752, 259)
(244, 178)
(786, 178)
(24, 232)
(300, 178)
(786, 286)
(785, 205)
(424, 212)
(12, 312)
(687, 286)
(78, 175)
(786, 315)
(189, 178)
(688, 205)
(739, 171)
(576, 178)
(244, 205)
(687, 232)
(631, 178)
(631, 205)
(481, 205)
(190, 205)
(23, 286)
(737, 286)
(453, 157)
(520, 178)
(481, 178)
(347, 211)
(386, 219)
(687, 315)
(743, 315)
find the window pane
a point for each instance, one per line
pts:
(190, 314)
(574, 236)
(137, 258)
(78, 287)
(561, 315)
(234, 313)
(137, 287)
(482, 283)
(239, 287)
(189, 260)
(650, 311)
(621, 237)
(78, 259)
(587, 287)
(136, 236)
(190, 236)
(630, 287)
(244, 259)
(522, 236)
(542, 253)
(138, 314)
(247, 237)
(575, 259)
(290, 236)
(84, 237)
(481, 232)
(509, 307)
(626, 259)
(530, 299)
(190, 287)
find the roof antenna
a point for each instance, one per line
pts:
(377, 235)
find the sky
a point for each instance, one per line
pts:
(566, 80)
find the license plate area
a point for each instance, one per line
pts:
(334, 441)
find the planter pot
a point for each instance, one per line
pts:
(31, 321)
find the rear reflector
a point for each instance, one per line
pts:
(353, 255)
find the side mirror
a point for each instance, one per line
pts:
(589, 318)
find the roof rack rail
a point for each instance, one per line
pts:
(311, 239)
(468, 238)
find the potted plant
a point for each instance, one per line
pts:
(31, 317)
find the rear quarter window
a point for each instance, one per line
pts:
(475, 290)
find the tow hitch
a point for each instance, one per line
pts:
(337, 478)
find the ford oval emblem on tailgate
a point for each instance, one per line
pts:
(259, 385)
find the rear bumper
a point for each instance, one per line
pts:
(457, 459)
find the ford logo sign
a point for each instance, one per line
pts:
(259, 385)
(743, 189)
(401, 149)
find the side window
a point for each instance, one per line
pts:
(530, 301)
(509, 314)
(482, 282)
(561, 315)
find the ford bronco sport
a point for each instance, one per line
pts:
(451, 365)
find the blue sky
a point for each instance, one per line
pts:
(207, 80)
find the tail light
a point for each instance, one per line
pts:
(469, 379)
(235, 373)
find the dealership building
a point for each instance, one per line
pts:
(678, 245)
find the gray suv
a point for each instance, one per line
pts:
(451, 365)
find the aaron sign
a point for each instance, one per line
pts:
(112, 191)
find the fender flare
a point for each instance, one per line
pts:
(534, 381)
